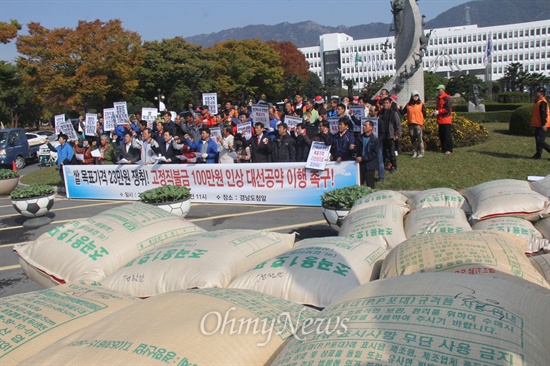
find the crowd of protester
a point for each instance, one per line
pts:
(187, 138)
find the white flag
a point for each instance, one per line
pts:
(488, 50)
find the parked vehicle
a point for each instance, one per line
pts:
(35, 139)
(14, 146)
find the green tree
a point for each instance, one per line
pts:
(84, 68)
(313, 86)
(181, 71)
(18, 103)
(514, 77)
(378, 84)
(247, 68)
(463, 84)
(431, 81)
(534, 80)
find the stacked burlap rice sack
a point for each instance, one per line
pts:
(431, 319)
(197, 327)
(510, 206)
(32, 321)
(92, 249)
(210, 259)
(316, 272)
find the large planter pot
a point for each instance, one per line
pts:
(35, 206)
(8, 185)
(178, 208)
(335, 216)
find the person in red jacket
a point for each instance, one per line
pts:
(444, 119)
(540, 122)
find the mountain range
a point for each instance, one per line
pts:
(484, 13)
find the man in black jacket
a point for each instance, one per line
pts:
(389, 130)
(260, 146)
(366, 151)
(283, 146)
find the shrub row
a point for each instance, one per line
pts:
(491, 107)
(514, 97)
(464, 131)
(520, 121)
(480, 117)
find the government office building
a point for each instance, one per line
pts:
(450, 50)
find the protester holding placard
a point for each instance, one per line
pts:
(148, 146)
(207, 119)
(227, 143)
(85, 151)
(107, 151)
(242, 149)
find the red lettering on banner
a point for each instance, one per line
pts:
(181, 178)
(325, 176)
(297, 178)
(211, 177)
(234, 178)
(274, 176)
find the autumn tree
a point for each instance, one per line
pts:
(179, 69)
(90, 66)
(247, 68)
(8, 31)
(295, 67)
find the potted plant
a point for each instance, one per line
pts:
(337, 203)
(9, 179)
(173, 199)
(34, 200)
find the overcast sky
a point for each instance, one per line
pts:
(155, 20)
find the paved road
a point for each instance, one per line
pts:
(307, 222)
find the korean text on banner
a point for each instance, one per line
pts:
(318, 156)
(149, 115)
(269, 183)
(211, 100)
(91, 124)
(121, 113)
(109, 119)
(260, 113)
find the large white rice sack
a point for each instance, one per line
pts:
(316, 272)
(32, 321)
(436, 219)
(542, 265)
(436, 197)
(383, 197)
(210, 259)
(543, 226)
(506, 197)
(382, 225)
(199, 327)
(542, 186)
(486, 253)
(94, 248)
(431, 319)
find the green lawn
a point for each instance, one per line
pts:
(502, 156)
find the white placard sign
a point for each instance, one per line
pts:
(68, 129)
(260, 113)
(91, 124)
(149, 115)
(211, 100)
(333, 121)
(109, 119)
(215, 132)
(318, 156)
(245, 127)
(358, 111)
(121, 113)
(59, 119)
(292, 121)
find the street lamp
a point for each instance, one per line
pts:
(160, 97)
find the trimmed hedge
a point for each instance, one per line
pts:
(514, 97)
(464, 132)
(491, 107)
(480, 117)
(520, 121)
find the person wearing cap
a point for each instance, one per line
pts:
(444, 120)
(319, 102)
(415, 111)
(540, 122)
(207, 118)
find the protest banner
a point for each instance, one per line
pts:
(333, 121)
(121, 113)
(211, 100)
(318, 156)
(59, 119)
(260, 113)
(91, 124)
(269, 183)
(109, 119)
(149, 115)
(292, 121)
